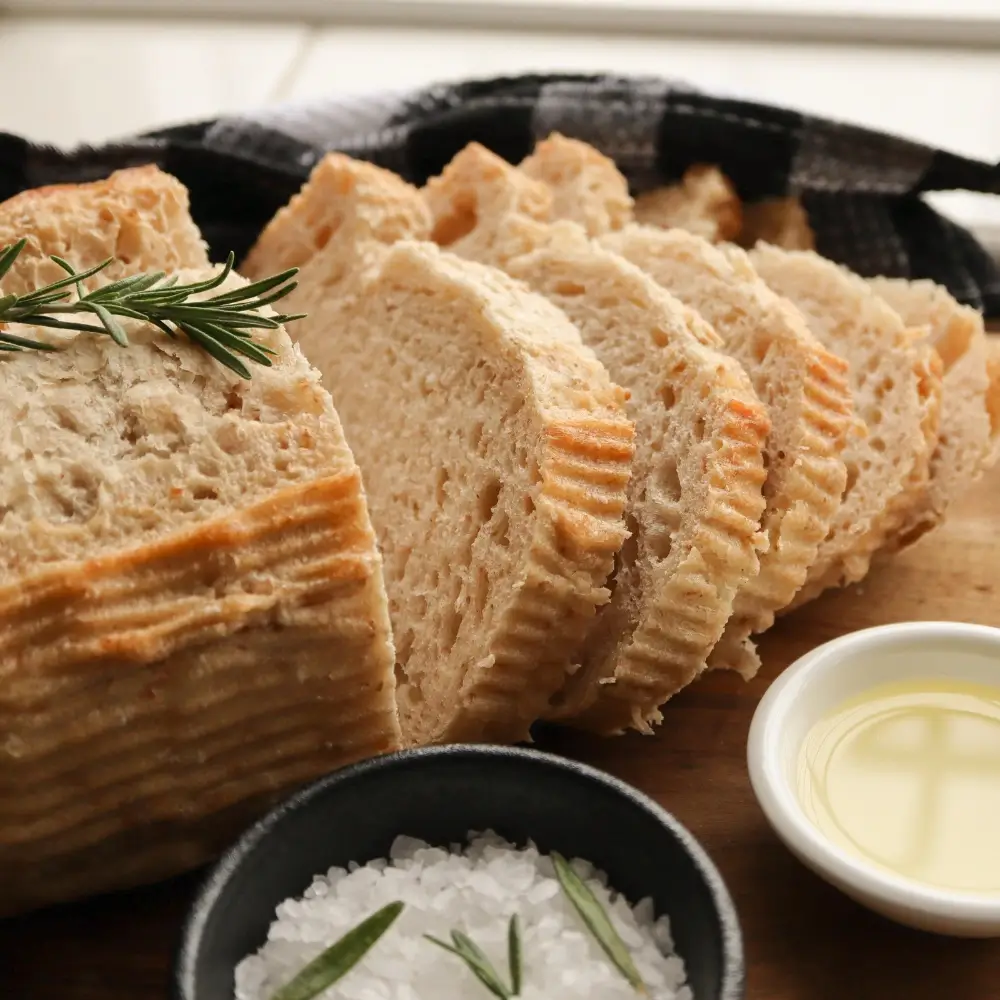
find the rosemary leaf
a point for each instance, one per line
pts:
(514, 957)
(264, 300)
(115, 330)
(213, 347)
(59, 324)
(241, 345)
(335, 962)
(597, 922)
(75, 277)
(184, 313)
(476, 960)
(254, 289)
(132, 284)
(9, 342)
(10, 254)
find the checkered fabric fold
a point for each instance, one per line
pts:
(862, 189)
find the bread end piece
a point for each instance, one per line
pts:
(139, 216)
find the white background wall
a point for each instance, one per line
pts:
(86, 70)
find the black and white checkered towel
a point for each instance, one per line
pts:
(862, 189)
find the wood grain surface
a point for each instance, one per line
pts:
(804, 940)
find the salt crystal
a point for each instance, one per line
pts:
(475, 889)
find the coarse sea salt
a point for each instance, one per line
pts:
(474, 889)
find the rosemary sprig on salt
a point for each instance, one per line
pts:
(597, 921)
(335, 962)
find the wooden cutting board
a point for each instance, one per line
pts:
(804, 940)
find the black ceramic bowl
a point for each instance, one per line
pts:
(439, 795)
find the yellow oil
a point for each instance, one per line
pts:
(908, 776)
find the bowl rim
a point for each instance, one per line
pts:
(733, 972)
(781, 806)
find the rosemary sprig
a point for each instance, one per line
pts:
(515, 960)
(222, 325)
(479, 964)
(336, 961)
(597, 922)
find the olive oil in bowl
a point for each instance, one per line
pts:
(907, 776)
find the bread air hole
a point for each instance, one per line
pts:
(489, 495)
(571, 289)
(440, 488)
(463, 219)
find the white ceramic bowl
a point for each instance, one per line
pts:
(818, 682)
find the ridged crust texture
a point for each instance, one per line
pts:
(695, 498)
(802, 385)
(374, 289)
(896, 386)
(516, 597)
(192, 613)
(153, 700)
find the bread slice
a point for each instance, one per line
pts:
(896, 384)
(782, 222)
(695, 496)
(704, 203)
(575, 179)
(803, 386)
(496, 454)
(192, 612)
(139, 216)
(350, 204)
(965, 442)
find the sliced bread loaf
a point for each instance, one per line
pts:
(496, 454)
(192, 612)
(695, 497)
(803, 386)
(139, 216)
(896, 384)
(965, 442)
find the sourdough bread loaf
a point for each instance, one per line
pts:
(192, 612)
(495, 452)
(695, 496)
